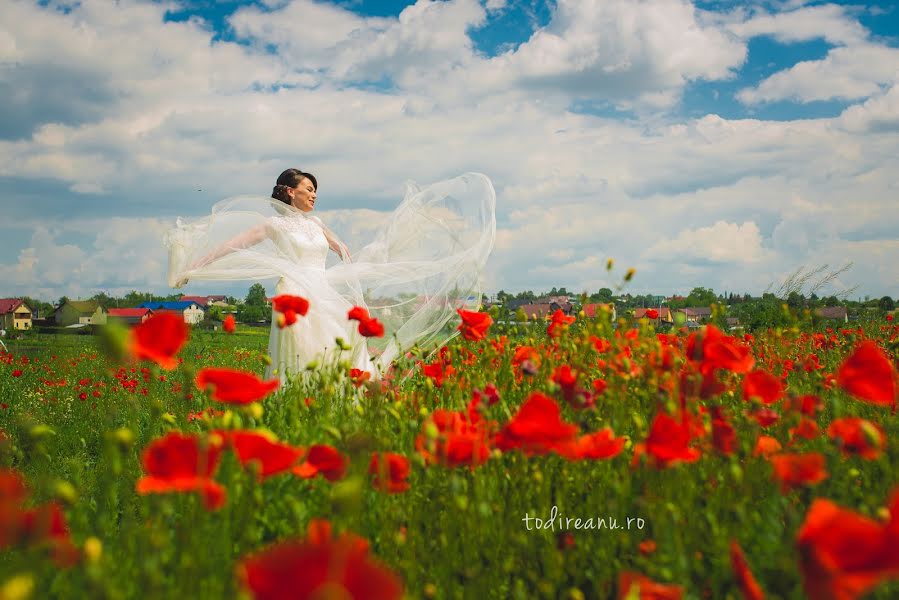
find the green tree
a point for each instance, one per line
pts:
(256, 295)
(251, 313)
(700, 296)
(886, 303)
(604, 295)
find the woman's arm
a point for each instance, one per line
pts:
(333, 241)
(248, 238)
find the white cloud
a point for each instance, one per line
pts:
(830, 22)
(879, 114)
(846, 73)
(721, 243)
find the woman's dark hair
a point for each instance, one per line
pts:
(290, 178)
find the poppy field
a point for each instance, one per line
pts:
(576, 458)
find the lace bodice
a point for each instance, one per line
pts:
(301, 237)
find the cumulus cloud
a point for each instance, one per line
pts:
(846, 73)
(721, 243)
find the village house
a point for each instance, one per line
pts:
(696, 314)
(664, 315)
(593, 309)
(129, 316)
(14, 314)
(190, 311)
(79, 312)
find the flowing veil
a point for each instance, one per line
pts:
(422, 265)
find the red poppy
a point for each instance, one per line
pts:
(368, 326)
(599, 344)
(159, 339)
(646, 588)
(668, 441)
(228, 324)
(318, 567)
(560, 322)
(324, 460)
(463, 439)
(793, 470)
(766, 446)
(651, 313)
(806, 429)
(857, 436)
(537, 427)
(389, 472)
(869, 375)
(762, 385)
(719, 351)
(183, 463)
(766, 416)
(843, 554)
(594, 446)
(474, 325)
(724, 437)
(17, 373)
(272, 456)
(358, 376)
(745, 579)
(233, 386)
(284, 302)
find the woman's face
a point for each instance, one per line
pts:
(303, 196)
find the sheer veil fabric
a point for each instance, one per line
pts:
(422, 265)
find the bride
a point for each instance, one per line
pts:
(423, 264)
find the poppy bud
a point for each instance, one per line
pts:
(630, 274)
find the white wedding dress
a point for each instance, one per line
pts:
(423, 264)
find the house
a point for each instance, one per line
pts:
(191, 311)
(838, 313)
(202, 301)
(131, 316)
(593, 309)
(79, 312)
(664, 314)
(696, 314)
(560, 300)
(536, 311)
(14, 314)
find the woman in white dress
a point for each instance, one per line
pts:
(423, 264)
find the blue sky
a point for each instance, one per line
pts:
(713, 143)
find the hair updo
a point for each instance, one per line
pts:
(290, 178)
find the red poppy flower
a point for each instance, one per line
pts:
(793, 470)
(646, 588)
(389, 472)
(724, 437)
(17, 373)
(159, 339)
(228, 324)
(668, 441)
(233, 386)
(857, 436)
(806, 429)
(594, 446)
(325, 460)
(474, 325)
(766, 446)
(869, 375)
(537, 427)
(273, 457)
(766, 417)
(559, 323)
(843, 554)
(762, 385)
(368, 326)
(358, 376)
(183, 463)
(651, 313)
(463, 439)
(719, 351)
(297, 304)
(318, 567)
(745, 579)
